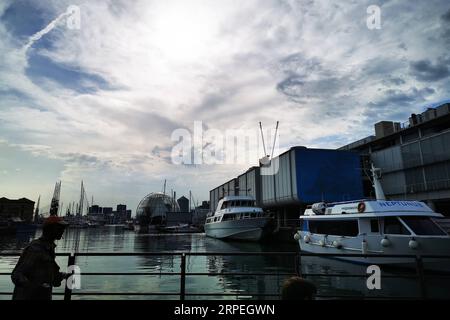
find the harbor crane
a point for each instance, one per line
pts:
(54, 206)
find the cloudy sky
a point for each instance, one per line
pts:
(101, 102)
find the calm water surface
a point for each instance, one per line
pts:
(110, 239)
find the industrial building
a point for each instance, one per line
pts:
(184, 204)
(414, 157)
(16, 209)
(106, 215)
(304, 176)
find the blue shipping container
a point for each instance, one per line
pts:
(312, 175)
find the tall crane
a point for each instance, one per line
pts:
(83, 201)
(54, 206)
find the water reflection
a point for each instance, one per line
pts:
(215, 264)
(393, 280)
(273, 266)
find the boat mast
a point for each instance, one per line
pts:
(379, 193)
(190, 199)
(61, 208)
(81, 205)
(36, 212)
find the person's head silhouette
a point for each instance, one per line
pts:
(297, 288)
(53, 228)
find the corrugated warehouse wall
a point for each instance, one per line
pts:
(227, 189)
(250, 184)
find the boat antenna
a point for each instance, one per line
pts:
(379, 193)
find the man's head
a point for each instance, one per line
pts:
(297, 288)
(53, 228)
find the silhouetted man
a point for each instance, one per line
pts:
(37, 272)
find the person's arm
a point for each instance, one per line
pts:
(58, 276)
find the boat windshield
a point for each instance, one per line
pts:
(423, 226)
(392, 225)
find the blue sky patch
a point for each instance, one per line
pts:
(41, 67)
(24, 18)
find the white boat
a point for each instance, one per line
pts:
(238, 218)
(376, 227)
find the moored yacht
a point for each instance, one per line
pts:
(238, 218)
(376, 227)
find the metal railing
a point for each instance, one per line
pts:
(420, 274)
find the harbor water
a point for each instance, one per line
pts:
(114, 239)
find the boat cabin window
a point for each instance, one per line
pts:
(374, 226)
(393, 226)
(248, 203)
(423, 226)
(228, 217)
(347, 228)
(208, 220)
(238, 203)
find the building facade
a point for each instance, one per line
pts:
(183, 203)
(16, 209)
(414, 158)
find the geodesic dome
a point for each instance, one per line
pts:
(154, 207)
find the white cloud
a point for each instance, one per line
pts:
(311, 65)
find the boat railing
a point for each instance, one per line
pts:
(332, 204)
(421, 275)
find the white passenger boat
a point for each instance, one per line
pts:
(238, 218)
(376, 227)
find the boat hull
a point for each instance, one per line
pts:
(399, 246)
(244, 230)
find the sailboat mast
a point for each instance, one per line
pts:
(81, 205)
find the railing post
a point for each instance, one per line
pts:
(298, 264)
(421, 277)
(68, 290)
(183, 276)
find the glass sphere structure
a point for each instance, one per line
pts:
(152, 210)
